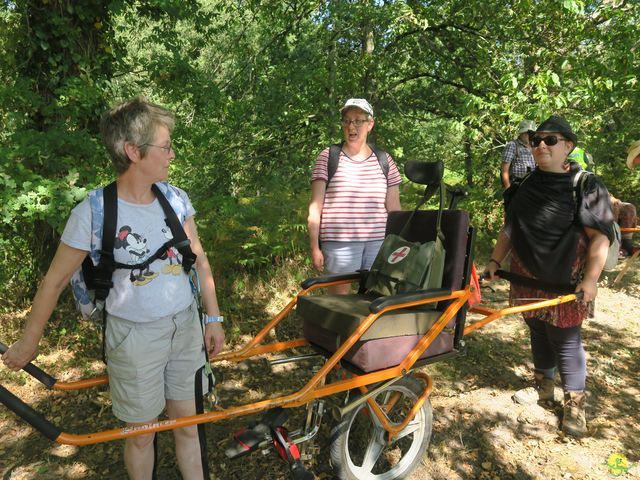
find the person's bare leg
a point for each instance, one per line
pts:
(187, 441)
(138, 454)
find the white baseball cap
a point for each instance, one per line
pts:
(633, 152)
(360, 103)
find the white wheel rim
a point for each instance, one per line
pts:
(376, 447)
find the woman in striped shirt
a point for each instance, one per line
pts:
(348, 213)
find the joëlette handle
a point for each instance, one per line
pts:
(28, 414)
(37, 373)
(564, 289)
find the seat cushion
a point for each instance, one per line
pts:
(371, 355)
(342, 314)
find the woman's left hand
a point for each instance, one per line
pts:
(214, 338)
(589, 290)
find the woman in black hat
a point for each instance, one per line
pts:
(559, 234)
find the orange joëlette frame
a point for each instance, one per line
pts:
(315, 387)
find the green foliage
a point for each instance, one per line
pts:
(257, 86)
(253, 233)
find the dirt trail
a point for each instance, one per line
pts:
(478, 432)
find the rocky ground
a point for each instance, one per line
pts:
(478, 432)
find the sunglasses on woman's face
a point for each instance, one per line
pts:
(550, 141)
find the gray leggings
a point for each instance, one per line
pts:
(562, 348)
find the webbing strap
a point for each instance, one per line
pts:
(181, 241)
(202, 434)
(105, 267)
(428, 193)
(104, 336)
(110, 209)
(154, 475)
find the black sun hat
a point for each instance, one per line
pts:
(557, 124)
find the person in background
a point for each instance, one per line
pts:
(625, 214)
(348, 213)
(582, 158)
(517, 159)
(155, 342)
(553, 239)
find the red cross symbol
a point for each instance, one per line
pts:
(398, 255)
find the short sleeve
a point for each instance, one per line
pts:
(595, 206)
(320, 169)
(509, 152)
(190, 211)
(77, 231)
(393, 177)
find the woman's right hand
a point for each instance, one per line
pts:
(318, 259)
(19, 354)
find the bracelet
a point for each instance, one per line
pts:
(496, 262)
(213, 319)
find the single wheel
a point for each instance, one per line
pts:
(359, 449)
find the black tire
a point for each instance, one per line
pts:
(358, 447)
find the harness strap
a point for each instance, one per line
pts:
(141, 266)
(106, 266)
(202, 434)
(182, 243)
(154, 475)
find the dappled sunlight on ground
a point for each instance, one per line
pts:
(478, 431)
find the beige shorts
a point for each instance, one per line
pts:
(153, 361)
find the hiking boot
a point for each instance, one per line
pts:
(541, 391)
(574, 422)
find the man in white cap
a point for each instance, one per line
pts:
(517, 159)
(633, 157)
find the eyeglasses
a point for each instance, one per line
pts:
(551, 140)
(168, 149)
(358, 122)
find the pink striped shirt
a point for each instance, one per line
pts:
(354, 202)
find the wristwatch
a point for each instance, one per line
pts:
(213, 319)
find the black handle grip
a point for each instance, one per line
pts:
(37, 373)
(309, 282)
(28, 414)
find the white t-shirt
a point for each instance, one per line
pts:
(138, 296)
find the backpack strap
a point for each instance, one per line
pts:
(579, 179)
(180, 240)
(383, 159)
(106, 265)
(334, 159)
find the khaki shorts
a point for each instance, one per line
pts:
(153, 361)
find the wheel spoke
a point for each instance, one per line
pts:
(413, 426)
(371, 456)
(377, 424)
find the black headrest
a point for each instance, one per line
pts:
(424, 173)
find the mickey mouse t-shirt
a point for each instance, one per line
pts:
(139, 295)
